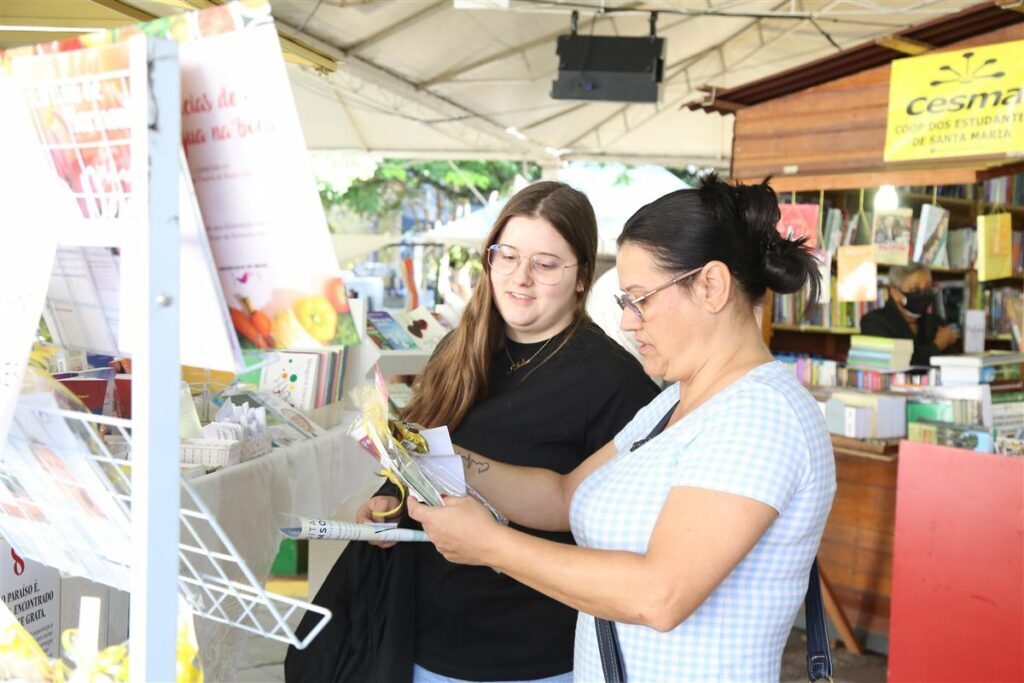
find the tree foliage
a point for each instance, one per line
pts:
(426, 190)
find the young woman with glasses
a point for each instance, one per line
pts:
(909, 314)
(526, 379)
(698, 523)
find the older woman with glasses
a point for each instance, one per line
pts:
(697, 525)
(526, 379)
(909, 314)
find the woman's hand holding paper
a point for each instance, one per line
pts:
(463, 530)
(378, 504)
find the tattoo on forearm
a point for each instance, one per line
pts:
(469, 462)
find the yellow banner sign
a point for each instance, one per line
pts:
(960, 103)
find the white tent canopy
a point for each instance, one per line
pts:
(428, 78)
(614, 191)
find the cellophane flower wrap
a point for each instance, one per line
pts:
(397, 445)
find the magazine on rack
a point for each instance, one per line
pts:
(57, 502)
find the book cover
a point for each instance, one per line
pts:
(857, 273)
(969, 437)
(995, 247)
(890, 234)
(960, 246)
(292, 377)
(91, 390)
(392, 332)
(799, 220)
(932, 235)
(833, 233)
(425, 330)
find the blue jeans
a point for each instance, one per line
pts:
(421, 675)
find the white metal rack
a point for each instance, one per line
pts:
(173, 544)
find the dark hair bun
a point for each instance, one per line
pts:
(788, 264)
(729, 222)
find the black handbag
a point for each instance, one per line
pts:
(819, 659)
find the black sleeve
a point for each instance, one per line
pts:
(874, 324)
(619, 388)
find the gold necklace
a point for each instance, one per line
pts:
(523, 363)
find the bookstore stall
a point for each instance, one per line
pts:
(178, 344)
(898, 160)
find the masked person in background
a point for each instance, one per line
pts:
(908, 314)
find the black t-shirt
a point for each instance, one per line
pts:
(887, 321)
(471, 622)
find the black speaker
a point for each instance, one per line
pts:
(608, 68)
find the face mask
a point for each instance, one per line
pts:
(918, 303)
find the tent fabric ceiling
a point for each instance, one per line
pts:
(425, 78)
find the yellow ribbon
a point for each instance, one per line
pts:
(401, 494)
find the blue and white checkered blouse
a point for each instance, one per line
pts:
(763, 437)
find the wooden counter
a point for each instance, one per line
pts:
(856, 549)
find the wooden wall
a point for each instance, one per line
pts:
(834, 128)
(856, 550)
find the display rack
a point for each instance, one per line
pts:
(166, 540)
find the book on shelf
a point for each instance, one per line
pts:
(91, 390)
(961, 248)
(422, 326)
(292, 376)
(959, 404)
(857, 274)
(979, 360)
(388, 333)
(951, 301)
(970, 437)
(931, 237)
(823, 372)
(1002, 307)
(832, 236)
(890, 235)
(867, 414)
(995, 246)
(799, 220)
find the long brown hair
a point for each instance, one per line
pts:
(456, 376)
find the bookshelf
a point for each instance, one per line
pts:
(821, 138)
(965, 205)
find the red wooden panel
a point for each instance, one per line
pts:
(958, 567)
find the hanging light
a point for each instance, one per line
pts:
(886, 198)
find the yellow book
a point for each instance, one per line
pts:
(857, 273)
(995, 246)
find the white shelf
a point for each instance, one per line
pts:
(403, 362)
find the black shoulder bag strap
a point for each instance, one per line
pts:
(819, 660)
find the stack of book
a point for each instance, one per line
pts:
(879, 354)
(1001, 372)
(867, 415)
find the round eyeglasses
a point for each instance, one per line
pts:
(625, 301)
(546, 269)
